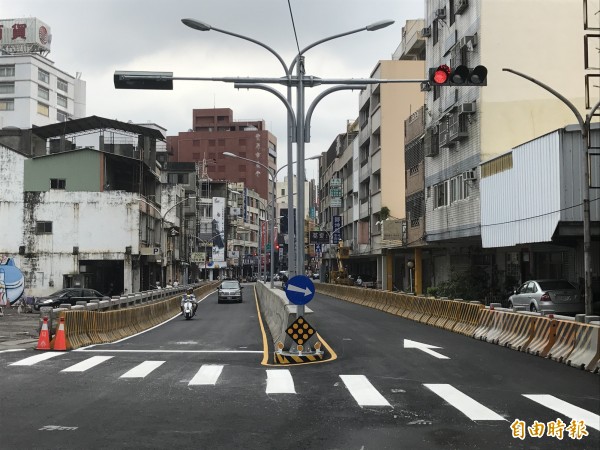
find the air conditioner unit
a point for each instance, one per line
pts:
(425, 86)
(431, 144)
(440, 13)
(426, 32)
(467, 41)
(460, 6)
(467, 108)
(469, 175)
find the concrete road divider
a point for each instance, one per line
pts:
(544, 336)
(565, 332)
(586, 351)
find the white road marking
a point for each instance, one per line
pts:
(280, 381)
(12, 350)
(87, 364)
(465, 404)
(143, 369)
(424, 347)
(34, 359)
(567, 409)
(107, 350)
(207, 375)
(363, 391)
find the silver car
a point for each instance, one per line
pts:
(559, 296)
(229, 291)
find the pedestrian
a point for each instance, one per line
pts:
(175, 283)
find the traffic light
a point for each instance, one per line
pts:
(460, 76)
(143, 80)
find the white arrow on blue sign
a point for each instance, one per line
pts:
(300, 290)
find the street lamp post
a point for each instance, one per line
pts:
(584, 125)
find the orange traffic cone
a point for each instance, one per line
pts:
(59, 340)
(44, 339)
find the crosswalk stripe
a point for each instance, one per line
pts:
(363, 391)
(207, 375)
(35, 359)
(280, 382)
(143, 369)
(574, 412)
(87, 364)
(465, 404)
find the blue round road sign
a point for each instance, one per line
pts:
(300, 290)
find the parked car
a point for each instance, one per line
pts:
(315, 276)
(229, 291)
(559, 296)
(68, 295)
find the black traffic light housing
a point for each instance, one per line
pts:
(459, 76)
(143, 80)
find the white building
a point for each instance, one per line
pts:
(33, 91)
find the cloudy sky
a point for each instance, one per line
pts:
(97, 37)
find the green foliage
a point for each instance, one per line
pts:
(384, 213)
(432, 291)
(472, 284)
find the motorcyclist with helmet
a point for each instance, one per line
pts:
(189, 294)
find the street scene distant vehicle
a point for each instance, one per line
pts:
(229, 291)
(559, 296)
(68, 295)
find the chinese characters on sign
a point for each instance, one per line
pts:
(555, 428)
(319, 237)
(337, 224)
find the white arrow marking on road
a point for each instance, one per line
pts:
(294, 288)
(424, 347)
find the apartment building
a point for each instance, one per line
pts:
(466, 126)
(33, 90)
(213, 132)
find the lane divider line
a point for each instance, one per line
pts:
(207, 375)
(87, 364)
(280, 381)
(143, 369)
(34, 359)
(465, 404)
(569, 410)
(363, 391)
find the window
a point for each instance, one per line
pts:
(61, 100)
(178, 178)
(44, 110)
(7, 104)
(451, 11)
(282, 191)
(7, 71)
(434, 32)
(7, 88)
(61, 116)
(43, 76)
(43, 227)
(43, 93)
(58, 183)
(457, 191)
(62, 85)
(440, 195)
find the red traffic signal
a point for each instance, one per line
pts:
(460, 76)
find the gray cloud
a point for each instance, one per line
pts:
(97, 37)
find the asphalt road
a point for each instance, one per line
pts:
(200, 384)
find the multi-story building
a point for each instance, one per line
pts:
(213, 132)
(470, 125)
(92, 215)
(33, 90)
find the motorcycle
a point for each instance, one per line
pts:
(188, 308)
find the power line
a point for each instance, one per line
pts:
(294, 26)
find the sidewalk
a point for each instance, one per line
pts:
(18, 330)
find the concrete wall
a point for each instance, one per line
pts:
(11, 201)
(81, 169)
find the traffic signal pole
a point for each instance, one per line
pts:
(584, 125)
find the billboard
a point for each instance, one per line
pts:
(218, 230)
(337, 224)
(12, 281)
(28, 35)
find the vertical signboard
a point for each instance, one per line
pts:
(337, 224)
(263, 234)
(218, 229)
